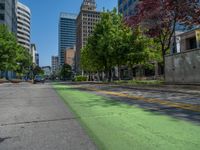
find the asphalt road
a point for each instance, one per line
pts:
(33, 117)
(178, 103)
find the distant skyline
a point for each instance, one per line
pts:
(44, 22)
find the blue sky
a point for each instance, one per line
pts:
(44, 22)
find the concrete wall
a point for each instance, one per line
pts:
(183, 67)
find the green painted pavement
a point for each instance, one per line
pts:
(118, 126)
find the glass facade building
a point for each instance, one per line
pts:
(127, 7)
(67, 34)
(8, 14)
(37, 59)
(54, 63)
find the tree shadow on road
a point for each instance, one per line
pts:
(155, 108)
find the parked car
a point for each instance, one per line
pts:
(38, 79)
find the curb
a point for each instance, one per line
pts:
(160, 89)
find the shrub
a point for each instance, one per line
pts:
(80, 78)
(145, 82)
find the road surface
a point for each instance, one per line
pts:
(33, 117)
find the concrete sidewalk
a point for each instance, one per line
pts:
(175, 88)
(33, 117)
(186, 89)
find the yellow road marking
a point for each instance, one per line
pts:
(150, 100)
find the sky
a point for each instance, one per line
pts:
(44, 22)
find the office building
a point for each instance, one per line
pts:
(54, 63)
(47, 70)
(86, 21)
(33, 52)
(67, 34)
(37, 59)
(127, 7)
(8, 14)
(69, 57)
(23, 25)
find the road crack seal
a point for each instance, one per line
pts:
(3, 139)
(39, 121)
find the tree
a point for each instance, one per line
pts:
(122, 36)
(108, 46)
(159, 18)
(23, 60)
(66, 72)
(8, 49)
(37, 70)
(88, 62)
(143, 50)
(13, 57)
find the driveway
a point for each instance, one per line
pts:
(33, 117)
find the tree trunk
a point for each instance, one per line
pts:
(110, 75)
(89, 78)
(107, 75)
(103, 76)
(140, 71)
(163, 55)
(156, 70)
(130, 73)
(1, 74)
(98, 76)
(119, 72)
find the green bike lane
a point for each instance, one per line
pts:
(114, 125)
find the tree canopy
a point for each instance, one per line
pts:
(13, 57)
(114, 44)
(159, 19)
(23, 60)
(107, 45)
(66, 72)
(8, 49)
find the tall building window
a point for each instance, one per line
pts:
(2, 6)
(2, 17)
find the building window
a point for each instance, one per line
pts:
(192, 44)
(2, 6)
(2, 17)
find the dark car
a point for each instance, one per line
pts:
(38, 79)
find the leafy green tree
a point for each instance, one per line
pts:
(141, 48)
(88, 62)
(144, 50)
(108, 45)
(37, 70)
(66, 72)
(23, 60)
(13, 57)
(121, 38)
(114, 44)
(8, 49)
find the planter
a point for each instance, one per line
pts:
(16, 81)
(3, 81)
